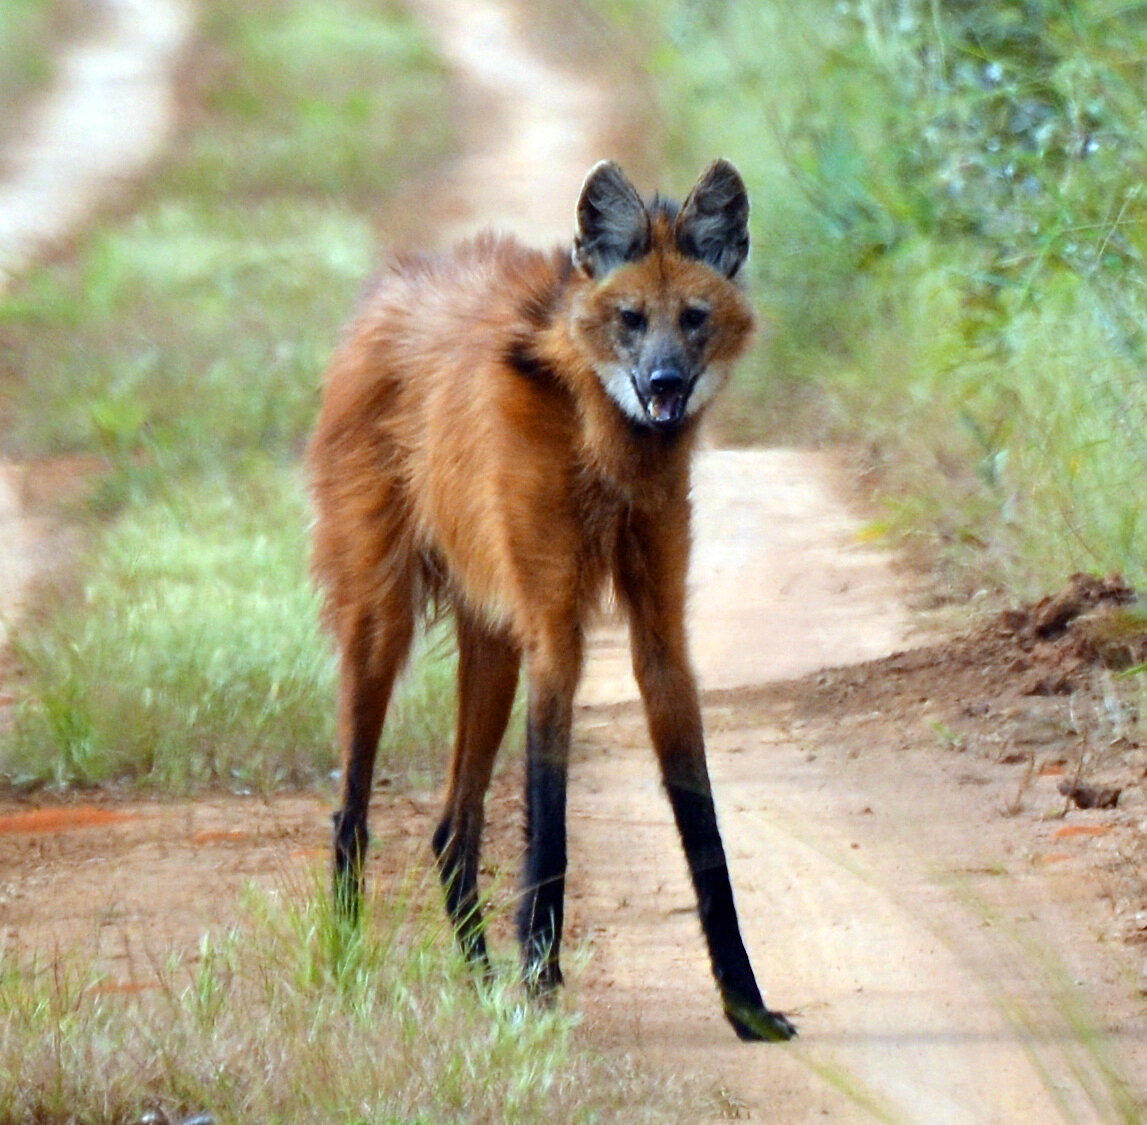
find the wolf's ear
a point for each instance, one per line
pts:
(713, 225)
(612, 225)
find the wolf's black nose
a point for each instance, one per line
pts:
(666, 381)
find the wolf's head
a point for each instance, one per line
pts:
(662, 317)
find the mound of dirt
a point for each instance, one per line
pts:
(1066, 643)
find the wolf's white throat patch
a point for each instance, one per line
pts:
(705, 389)
(618, 382)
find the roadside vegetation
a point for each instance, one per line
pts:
(287, 1016)
(950, 254)
(950, 258)
(30, 32)
(179, 351)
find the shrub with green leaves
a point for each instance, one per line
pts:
(949, 250)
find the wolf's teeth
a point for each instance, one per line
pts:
(664, 408)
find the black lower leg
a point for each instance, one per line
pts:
(541, 913)
(352, 837)
(374, 644)
(697, 823)
(457, 852)
(350, 843)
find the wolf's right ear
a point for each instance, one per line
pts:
(612, 224)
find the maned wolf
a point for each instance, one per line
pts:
(508, 432)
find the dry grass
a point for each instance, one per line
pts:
(289, 1016)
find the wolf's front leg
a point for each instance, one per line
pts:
(651, 582)
(540, 916)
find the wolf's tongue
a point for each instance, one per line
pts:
(663, 408)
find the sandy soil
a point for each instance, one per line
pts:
(98, 128)
(953, 947)
(24, 547)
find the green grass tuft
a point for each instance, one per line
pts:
(288, 1015)
(193, 657)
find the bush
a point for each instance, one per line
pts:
(948, 248)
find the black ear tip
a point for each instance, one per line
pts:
(722, 175)
(604, 168)
(604, 180)
(724, 167)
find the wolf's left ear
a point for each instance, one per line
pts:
(612, 225)
(713, 225)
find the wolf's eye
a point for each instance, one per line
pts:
(693, 317)
(633, 319)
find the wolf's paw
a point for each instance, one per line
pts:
(760, 1025)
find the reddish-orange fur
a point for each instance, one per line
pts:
(469, 453)
(473, 479)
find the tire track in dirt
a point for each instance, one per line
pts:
(104, 120)
(22, 551)
(528, 144)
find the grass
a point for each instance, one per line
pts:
(183, 346)
(288, 1016)
(193, 656)
(191, 332)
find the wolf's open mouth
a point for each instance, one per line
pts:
(665, 409)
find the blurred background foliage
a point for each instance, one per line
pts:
(949, 252)
(30, 31)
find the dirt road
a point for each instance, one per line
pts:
(906, 899)
(917, 1002)
(84, 141)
